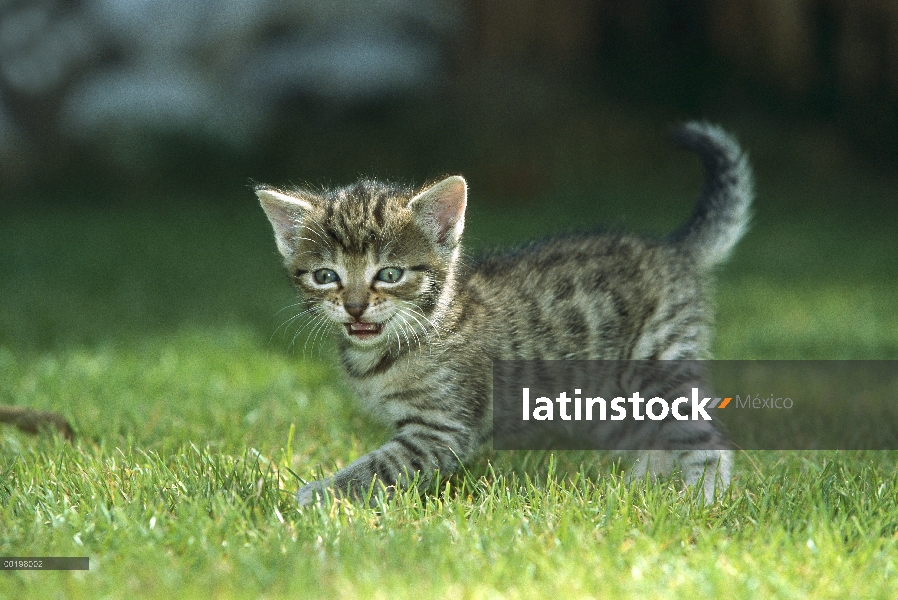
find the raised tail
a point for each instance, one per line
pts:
(722, 214)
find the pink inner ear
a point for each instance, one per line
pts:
(444, 206)
(285, 213)
(449, 211)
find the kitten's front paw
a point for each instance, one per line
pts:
(314, 492)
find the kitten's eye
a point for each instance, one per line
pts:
(390, 274)
(325, 276)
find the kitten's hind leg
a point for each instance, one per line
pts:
(708, 470)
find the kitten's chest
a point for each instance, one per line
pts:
(384, 392)
(411, 387)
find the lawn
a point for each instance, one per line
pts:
(153, 323)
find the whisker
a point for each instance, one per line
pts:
(412, 330)
(402, 313)
(319, 232)
(312, 321)
(321, 333)
(288, 321)
(289, 306)
(398, 341)
(414, 333)
(386, 249)
(405, 311)
(415, 309)
(313, 335)
(402, 329)
(316, 324)
(316, 242)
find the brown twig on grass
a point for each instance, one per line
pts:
(30, 420)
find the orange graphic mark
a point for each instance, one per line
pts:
(724, 403)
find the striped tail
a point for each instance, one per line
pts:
(722, 214)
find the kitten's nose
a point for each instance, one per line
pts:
(355, 310)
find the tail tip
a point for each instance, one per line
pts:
(705, 136)
(723, 211)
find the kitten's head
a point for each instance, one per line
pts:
(375, 258)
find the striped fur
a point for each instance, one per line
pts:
(426, 370)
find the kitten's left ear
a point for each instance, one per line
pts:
(285, 213)
(441, 209)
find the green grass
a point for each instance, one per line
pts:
(152, 324)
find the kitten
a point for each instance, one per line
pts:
(379, 265)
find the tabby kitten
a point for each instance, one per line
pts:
(379, 265)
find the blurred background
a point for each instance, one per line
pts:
(520, 93)
(130, 131)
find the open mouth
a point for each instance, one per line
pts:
(364, 331)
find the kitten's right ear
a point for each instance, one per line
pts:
(285, 213)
